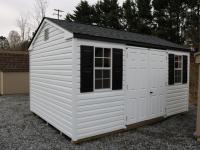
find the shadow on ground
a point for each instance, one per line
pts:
(21, 129)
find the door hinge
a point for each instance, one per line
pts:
(126, 118)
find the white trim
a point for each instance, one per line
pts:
(180, 69)
(102, 68)
(74, 96)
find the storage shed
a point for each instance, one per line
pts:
(87, 80)
(14, 72)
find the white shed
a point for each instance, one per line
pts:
(87, 80)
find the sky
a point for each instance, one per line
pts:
(10, 10)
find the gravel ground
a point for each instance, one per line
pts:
(20, 129)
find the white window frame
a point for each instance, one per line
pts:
(102, 68)
(181, 69)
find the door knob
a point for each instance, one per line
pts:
(151, 92)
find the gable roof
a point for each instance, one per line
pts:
(111, 35)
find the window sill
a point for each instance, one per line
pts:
(177, 84)
(102, 90)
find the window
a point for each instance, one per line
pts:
(46, 34)
(177, 69)
(102, 68)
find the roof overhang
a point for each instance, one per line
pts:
(130, 43)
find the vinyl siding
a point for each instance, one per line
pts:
(177, 100)
(55, 88)
(98, 112)
(51, 78)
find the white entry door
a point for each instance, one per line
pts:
(146, 79)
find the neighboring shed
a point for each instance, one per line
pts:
(14, 72)
(87, 80)
(197, 133)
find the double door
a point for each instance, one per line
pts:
(146, 84)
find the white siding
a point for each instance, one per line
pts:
(55, 88)
(178, 94)
(51, 78)
(98, 112)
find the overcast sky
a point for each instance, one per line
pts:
(10, 10)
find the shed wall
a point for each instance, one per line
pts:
(15, 83)
(51, 78)
(178, 95)
(101, 112)
(98, 112)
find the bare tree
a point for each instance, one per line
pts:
(22, 23)
(40, 10)
(14, 39)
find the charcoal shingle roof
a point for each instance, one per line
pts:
(106, 34)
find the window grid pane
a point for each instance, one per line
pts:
(98, 84)
(178, 69)
(106, 83)
(102, 68)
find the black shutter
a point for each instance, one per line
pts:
(86, 68)
(117, 69)
(171, 69)
(185, 69)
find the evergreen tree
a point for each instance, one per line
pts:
(130, 17)
(4, 43)
(169, 15)
(145, 16)
(192, 24)
(177, 10)
(161, 18)
(108, 14)
(84, 13)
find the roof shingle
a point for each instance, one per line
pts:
(123, 36)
